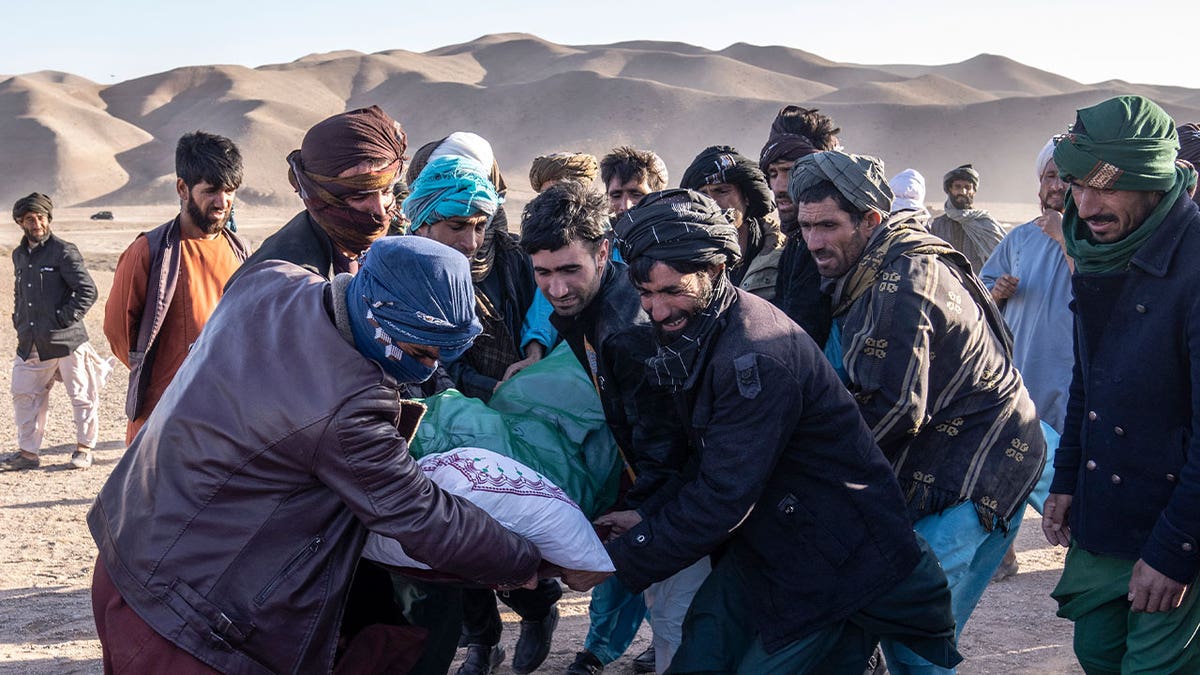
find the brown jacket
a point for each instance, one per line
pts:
(234, 522)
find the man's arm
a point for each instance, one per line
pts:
(127, 299)
(83, 289)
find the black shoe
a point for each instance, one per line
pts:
(481, 660)
(644, 662)
(586, 663)
(533, 646)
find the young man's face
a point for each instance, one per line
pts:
(625, 196)
(728, 196)
(461, 233)
(207, 205)
(1111, 215)
(961, 193)
(673, 299)
(778, 173)
(36, 227)
(834, 240)
(570, 277)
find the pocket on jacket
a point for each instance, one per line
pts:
(205, 617)
(294, 563)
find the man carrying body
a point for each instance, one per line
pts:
(783, 475)
(169, 280)
(971, 231)
(921, 345)
(736, 184)
(1029, 276)
(797, 132)
(597, 312)
(53, 293)
(228, 533)
(1126, 491)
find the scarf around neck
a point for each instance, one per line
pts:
(677, 365)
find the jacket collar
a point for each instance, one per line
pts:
(1155, 256)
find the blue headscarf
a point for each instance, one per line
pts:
(412, 289)
(450, 186)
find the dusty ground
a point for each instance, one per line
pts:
(46, 552)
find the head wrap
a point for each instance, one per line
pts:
(35, 202)
(965, 172)
(1189, 143)
(1045, 157)
(411, 289)
(1124, 143)
(722, 164)
(908, 188)
(334, 145)
(450, 187)
(784, 144)
(677, 226)
(577, 166)
(859, 178)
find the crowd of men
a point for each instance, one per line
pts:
(833, 408)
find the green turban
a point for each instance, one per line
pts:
(859, 178)
(1124, 143)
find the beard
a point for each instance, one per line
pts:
(700, 302)
(208, 224)
(962, 202)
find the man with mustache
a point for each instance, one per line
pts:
(782, 475)
(168, 281)
(1125, 497)
(1029, 276)
(969, 230)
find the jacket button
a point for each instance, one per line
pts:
(1116, 479)
(1187, 546)
(1092, 415)
(1141, 309)
(1118, 431)
(789, 509)
(1091, 465)
(641, 539)
(1170, 478)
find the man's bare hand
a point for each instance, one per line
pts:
(1051, 223)
(1054, 519)
(578, 580)
(1152, 591)
(618, 522)
(535, 351)
(1005, 287)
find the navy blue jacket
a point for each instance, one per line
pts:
(53, 291)
(786, 471)
(1129, 452)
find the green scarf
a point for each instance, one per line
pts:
(1092, 257)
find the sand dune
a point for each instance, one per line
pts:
(98, 145)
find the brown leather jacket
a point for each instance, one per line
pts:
(234, 522)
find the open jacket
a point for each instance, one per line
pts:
(53, 291)
(234, 522)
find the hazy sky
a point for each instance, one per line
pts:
(1145, 41)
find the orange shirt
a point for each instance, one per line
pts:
(204, 267)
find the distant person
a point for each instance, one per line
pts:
(169, 280)
(1189, 150)
(1125, 497)
(53, 293)
(815, 557)
(736, 184)
(345, 172)
(228, 533)
(628, 175)
(971, 231)
(796, 132)
(920, 344)
(1029, 277)
(547, 170)
(908, 186)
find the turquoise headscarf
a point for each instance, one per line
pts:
(449, 187)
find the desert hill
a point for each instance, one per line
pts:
(111, 145)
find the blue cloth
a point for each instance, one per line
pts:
(970, 556)
(449, 187)
(411, 289)
(1038, 315)
(1037, 498)
(537, 326)
(615, 615)
(834, 354)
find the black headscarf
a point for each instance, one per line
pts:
(677, 226)
(722, 164)
(34, 202)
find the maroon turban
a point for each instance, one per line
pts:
(334, 145)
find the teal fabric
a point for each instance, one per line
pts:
(548, 417)
(614, 616)
(450, 187)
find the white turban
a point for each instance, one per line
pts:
(1044, 157)
(466, 144)
(909, 188)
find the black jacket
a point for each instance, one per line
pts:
(301, 242)
(786, 471)
(642, 418)
(233, 524)
(53, 292)
(798, 290)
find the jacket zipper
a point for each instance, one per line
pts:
(297, 560)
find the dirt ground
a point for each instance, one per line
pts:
(46, 552)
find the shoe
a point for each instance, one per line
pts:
(533, 646)
(586, 663)
(81, 458)
(19, 462)
(481, 660)
(644, 662)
